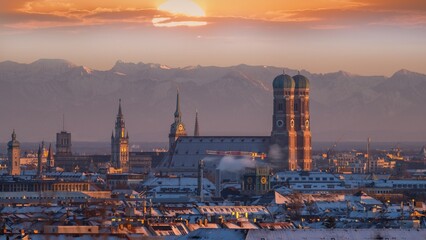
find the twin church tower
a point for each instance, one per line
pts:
(291, 123)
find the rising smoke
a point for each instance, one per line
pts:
(234, 164)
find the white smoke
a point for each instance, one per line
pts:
(233, 164)
(275, 152)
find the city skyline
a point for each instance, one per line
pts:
(244, 119)
(358, 36)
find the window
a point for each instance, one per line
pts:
(280, 106)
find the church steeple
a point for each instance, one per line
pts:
(120, 113)
(39, 162)
(196, 128)
(177, 128)
(178, 114)
(119, 123)
(50, 161)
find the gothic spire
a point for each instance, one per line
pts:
(177, 112)
(39, 163)
(196, 129)
(119, 108)
(50, 154)
(49, 158)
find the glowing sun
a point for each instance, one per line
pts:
(182, 8)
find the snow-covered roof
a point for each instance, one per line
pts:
(176, 182)
(189, 150)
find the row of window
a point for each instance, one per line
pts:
(309, 179)
(330, 186)
(221, 140)
(39, 198)
(409, 185)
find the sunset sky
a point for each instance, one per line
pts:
(359, 36)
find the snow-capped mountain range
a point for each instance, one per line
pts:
(234, 100)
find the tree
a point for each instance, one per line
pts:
(295, 206)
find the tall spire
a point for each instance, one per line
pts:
(119, 108)
(119, 122)
(39, 163)
(13, 135)
(50, 158)
(63, 122)
(177, 112)
(119, 142)
(196, 129)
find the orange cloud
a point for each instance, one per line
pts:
(320, 14)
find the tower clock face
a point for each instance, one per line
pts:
(280, 123)
(180, 127)
(307, 124)
(263, 180)
(292, 123)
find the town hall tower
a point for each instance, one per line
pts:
(120, 143)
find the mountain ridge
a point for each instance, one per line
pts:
(235, 100)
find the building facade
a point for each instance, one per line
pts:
(63, 144)
(120, 143)
(14, 156)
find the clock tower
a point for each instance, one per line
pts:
(283, 124)
(177, 128)
(120, 143)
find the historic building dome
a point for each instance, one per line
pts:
(301, 81)
(283, 81)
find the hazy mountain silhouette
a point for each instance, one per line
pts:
(233, 100)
